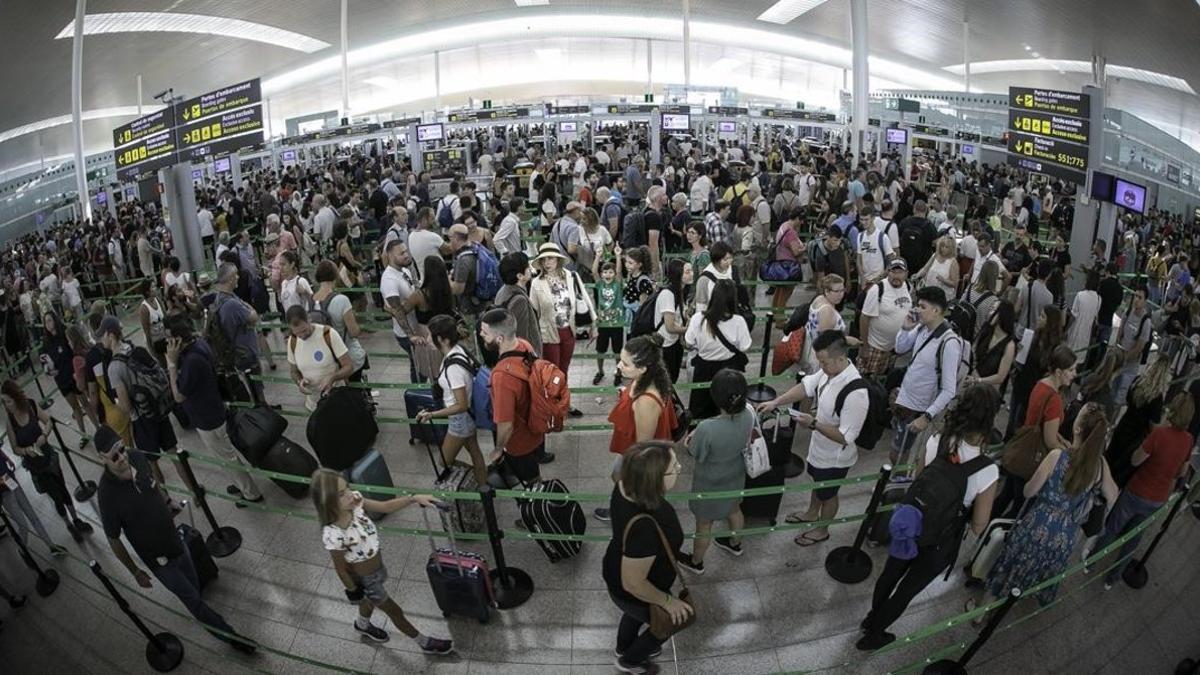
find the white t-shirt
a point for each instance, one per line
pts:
(312, 357)
(873, 257)
(293, 291)
(1084, 310)
(422, 244)
(891, 229)
(663, 305)
(824, 452)
(393, 284)
(708, 346)
(205, 218)
(336, 307)
(71, 295)
(887, 313)
(181, 280)
(977, 483)
(454, 376)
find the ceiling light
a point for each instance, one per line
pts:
(531, 3)
(382, 82)
(1035, 55)
(548, 54)
(169, 22)
(1073, 66)
(785, 11)
(1028, 48)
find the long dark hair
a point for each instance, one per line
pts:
(435, 285)
(1005, 319)
(646, 352)
(721, 303)
(974, 412)
(1049, 336)
(674, 282)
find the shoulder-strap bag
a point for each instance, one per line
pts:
(1026, 450)
(661, 625)
(758, 459)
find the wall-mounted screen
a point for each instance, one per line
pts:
(968, 149)
(1103, 186)
(429, 132)
(567, 127)
(197, 174)
(102, 198)
(897, 136)
(221, 165)
(676, 122)
(288, 155)
(726, 127)
(1130, 195)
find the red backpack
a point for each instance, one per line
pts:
(549, 397)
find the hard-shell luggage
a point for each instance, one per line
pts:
(548, 516)
(342, 428)
(254, 431)
(202, 560)
(460, 580)
(372, 469)
(764, 506)
(991, 543)
(290, 458)
(416, 400)
(458, 477)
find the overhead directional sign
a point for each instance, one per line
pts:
(1050, 101)
(804, 115)
(727, 111)
(930, 130)
(1061, 127)
(402, 122)
(487, 115)
(219, 126)
(1056, 158)
(902, 105)
(228, 98)
(142, 127)
(148, 154)
(567, 109)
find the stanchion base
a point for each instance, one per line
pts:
(1135, 575)
(85, 490)
(519, 587)
(47, 583)
(224, 541)
(171, 655)
(848, 565)
(795, 466)
(760, 393)
(47, 404)
(944, 667)
(1196, 509)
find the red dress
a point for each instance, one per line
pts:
(625, 429)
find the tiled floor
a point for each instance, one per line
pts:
(774, 609)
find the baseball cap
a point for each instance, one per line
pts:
(898, 264)
(571, 206)
(104, 439)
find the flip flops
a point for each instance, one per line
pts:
(807, 540)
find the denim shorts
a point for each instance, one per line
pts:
(462, 425)
(372, 586)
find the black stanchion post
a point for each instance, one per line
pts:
(47, 580)
(513, 585)
(86, 488)
(222, 541)
(959, 666)
(44, 401)
(851, 564)
(1135, 574)
(164, 651)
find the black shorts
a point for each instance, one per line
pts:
(67, 386)
(606, 335)
(526, 468)
(154, 436)
(818, 475)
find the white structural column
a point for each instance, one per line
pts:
(966, 56)
(345, 63)
(139, 94)
(649, 67)
(437, 82)
(858, 100)
(687, 44)
(85, 202)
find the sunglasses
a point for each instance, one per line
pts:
(115, 452)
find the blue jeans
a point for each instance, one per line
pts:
(179, 577)
(406, 344)
(1124, 379)
(1129, 510)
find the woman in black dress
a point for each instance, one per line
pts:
(1143, 409)
(1047, 336)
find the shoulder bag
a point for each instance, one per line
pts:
(739, 358)
(758, 458)
(661, 625)
(1022, 455)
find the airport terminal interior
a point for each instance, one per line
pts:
(564, 336)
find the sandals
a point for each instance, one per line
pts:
(970, 606)
(796, 518)
(807, 540)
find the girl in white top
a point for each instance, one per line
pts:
(701, 338)
(823, 315)
(293, 288)
(353, 544)
(150, 314)
(455, 378)
(670, 315)
(341, 316)
(1082, 318)
(941, 270)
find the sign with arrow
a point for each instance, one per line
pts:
(1069, 103)
(1060, 127)
(227, 98)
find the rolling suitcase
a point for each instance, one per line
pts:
(458, 477)
(779, 450)
(342, 428)
(991, 543)
(880, 533)
(416, 400)
(460, 580)
(253, 431)
(292, 459)
(202, 560)
(372, 469)
(546, 516)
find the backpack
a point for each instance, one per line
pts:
(445, 214)
(549, 396)
(633, 230)
(912, 245)
(487, 273)
(620, 213)
(961, 314)
(737, 201)
(481, 389)
(223, 349)
(879, 416)
(938, 494)
(149, 389)
(643, 320)
(319, 313)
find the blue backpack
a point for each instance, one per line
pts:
(481, 390)
(445, 214)
(487, 273)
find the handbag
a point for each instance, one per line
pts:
(1094, 524)
(756, 455)
(583, 310)
(661, 625)
(1022, 455)
(788, 351)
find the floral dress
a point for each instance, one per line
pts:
(1040, 544)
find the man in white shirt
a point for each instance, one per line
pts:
(317, 355)
(884, 309)
(886, 221)
(396, 285)
(701, 190)
(205, 218)
(325, 218)
(931, 379)
(874, 249)
(116, 253)
(804, 184)
(423, 241)
(831, 447)
(508, 235)
(984, 253)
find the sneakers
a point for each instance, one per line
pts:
(647, 668)
(726, 544)
(83, 442)
(653, 655)
(1108, 585)
(872, 641)
(436, 646)
(599, 377)
(372, 632)
(241, 503)
(602, 515)
(686, 562)
(575, 412)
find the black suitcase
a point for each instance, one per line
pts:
(342, 428)
(254, 431)
(545, 516)
(292, 459)
(764, 506)
(372, 469)
(461, 581)
(416, 400)
(202, 560)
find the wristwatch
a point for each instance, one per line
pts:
(927, 416)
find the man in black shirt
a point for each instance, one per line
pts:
(131, 504)
(1016, 253)
(917, 237)
(1111, 294)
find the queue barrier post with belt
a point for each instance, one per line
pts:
(45, 402)
(164, 651)
(222, 541)
(851, 564)
(959, 666)
(1135, 574)
(86, 488)
(47, 580)
(513, 586)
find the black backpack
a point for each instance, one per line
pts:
(938, 494)
(961, 314)
(643, 320)
(149, 388)
(878, 417)
(633, 230)
(912, 245)
(223, 349)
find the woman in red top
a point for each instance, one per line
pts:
(643, 411)
(1159, 462)
(1045, 409)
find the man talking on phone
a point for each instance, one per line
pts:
(931, 378)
